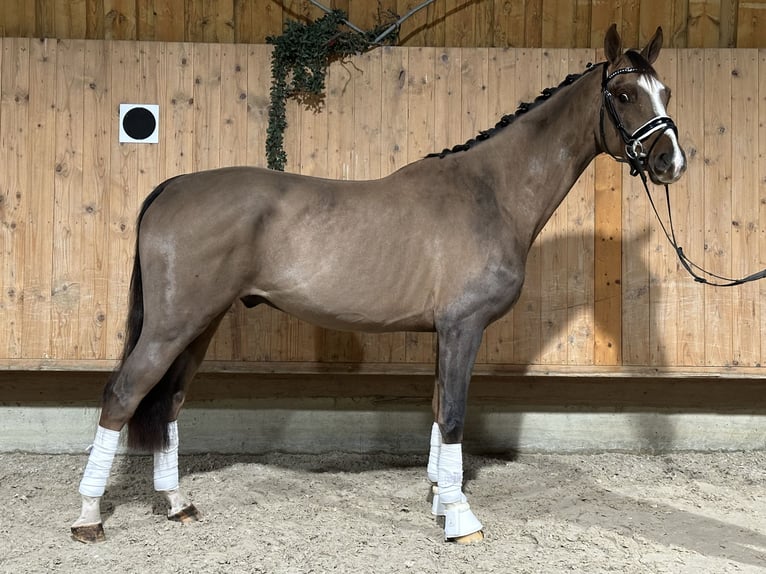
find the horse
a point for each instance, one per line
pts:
(437, 246)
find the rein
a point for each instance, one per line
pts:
(635, 156)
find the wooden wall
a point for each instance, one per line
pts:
(604, 293)
(498, 23)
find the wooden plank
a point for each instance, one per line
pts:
(761, 191)
(751, 24)
(44, 18)
(178, 142)
(15, 150)
(36, 327)
(745, 206)
(527, 336)
(66, 280)
(501, 94)
(94, 207)
(69, 18)
(608, 262)
(164, 20)
(553, 250)
(120, 20)
(533, 27)
(94, 19)
(689, 210)
(458, 24)
(718, 162)
(210, 21)
(665, 272)
(704, 23)
(579, 226)
(508, 24)
(558, 23)
(655, 13)
(125, 84)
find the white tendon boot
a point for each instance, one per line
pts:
(459, 521)
(166, 479)
(437, 508)
(88, 527)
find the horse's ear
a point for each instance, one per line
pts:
(652, 49)
(612, 44)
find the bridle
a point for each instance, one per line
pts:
(634, 142)
(636, 157)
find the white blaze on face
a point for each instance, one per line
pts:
(654, 89)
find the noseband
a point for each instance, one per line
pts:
(634, 142)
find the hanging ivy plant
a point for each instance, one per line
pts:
(299, 63)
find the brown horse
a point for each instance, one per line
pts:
(439, 246)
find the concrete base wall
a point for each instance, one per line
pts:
(57, 413)
(321, 425)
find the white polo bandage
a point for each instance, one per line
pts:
(450, 473)
(166, 462)
(433, 455)
(100, 462)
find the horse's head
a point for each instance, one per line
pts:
(635, 126)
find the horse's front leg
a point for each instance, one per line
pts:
(458, 345)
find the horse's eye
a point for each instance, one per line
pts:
(624, 98)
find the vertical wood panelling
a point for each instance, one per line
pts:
(39, 232)
(70, 195)
(718, 197)
(96, 172)
(524, 23)
(745, 257)
(688, 198)
(123, 193)
(67, 199)
(14, 158)
(665, 273)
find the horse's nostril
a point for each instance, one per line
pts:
(663, 162)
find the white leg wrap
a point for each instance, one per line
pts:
(460, 521)
(450, 473)
(166, 462)
(450, 501)
(91, 511)
(433, 455)
(100, 462)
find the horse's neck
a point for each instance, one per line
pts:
(541, 155)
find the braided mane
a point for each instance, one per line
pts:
(508, 119)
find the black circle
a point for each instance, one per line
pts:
(139, 123)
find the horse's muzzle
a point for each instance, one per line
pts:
(666, 161)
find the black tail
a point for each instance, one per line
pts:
(147, 428)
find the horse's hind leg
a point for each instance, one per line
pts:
(166, 479)
(155, 353)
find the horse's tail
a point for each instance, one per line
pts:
(147, 428)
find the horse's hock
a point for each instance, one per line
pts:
(611, 345)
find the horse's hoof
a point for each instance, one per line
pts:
(88, 533)
(186, 515)
(468, 538)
